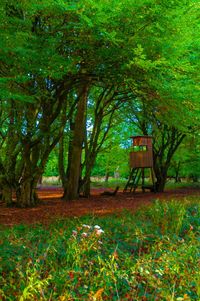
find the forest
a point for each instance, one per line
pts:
(78, 79)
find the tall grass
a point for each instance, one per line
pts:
(152, 255)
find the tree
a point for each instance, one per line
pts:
(125, 48)
(101, 122)
(34, 100)
(74, 166)
(185, 163)
(151, 119)
(167, 88)
(51, 50)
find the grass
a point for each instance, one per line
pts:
(151, 255)
(172, 185)
(113, 182)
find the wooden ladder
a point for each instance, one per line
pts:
(133, 180)
(135, 175)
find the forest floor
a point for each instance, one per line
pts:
(52, 207)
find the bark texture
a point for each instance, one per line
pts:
(74, 167)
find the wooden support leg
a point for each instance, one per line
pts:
(136, 181)
(143, 189)
(153, 179)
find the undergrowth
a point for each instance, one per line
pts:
(151, 255)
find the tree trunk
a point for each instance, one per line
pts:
(76, 151)
(160, 184)
(163, 154)
(161, 177)
(61, 166)
(6, 196)
(177, 171)
(85, 186)
(26, 193)
(85, 183)
(107, 176)
(86, 191)
(65, 187)
(65, 175)
(160, 174)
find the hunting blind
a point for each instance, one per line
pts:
(141, 158)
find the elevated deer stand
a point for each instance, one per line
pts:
(141, 158)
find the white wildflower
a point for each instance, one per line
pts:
(86, 226)
(97, 227)
(84, 234)
(99, 232)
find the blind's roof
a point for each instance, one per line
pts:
(135, 137)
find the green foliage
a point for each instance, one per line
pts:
(168, 216)
(144, 50)
(186, 162)
(151, 255)
(114, 156)
(51, 168)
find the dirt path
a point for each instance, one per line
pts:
(52, 207)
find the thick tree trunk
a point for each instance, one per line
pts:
(76, 150)
(26, 193)
(160, 184)
(85, 186)
(160, 170)
(6, 195)
(85, 183)
(161, 176)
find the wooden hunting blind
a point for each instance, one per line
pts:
(141, 158)
(142, 153)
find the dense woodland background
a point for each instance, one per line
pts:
(78, 78)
